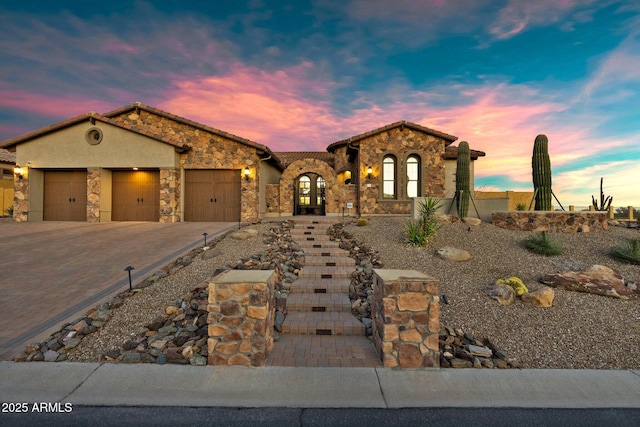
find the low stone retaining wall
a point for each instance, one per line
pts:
(241, 315)
(556, 221)
(406, 319)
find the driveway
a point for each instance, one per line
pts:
(53, 272)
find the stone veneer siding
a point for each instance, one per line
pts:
(169, 195)
(21, 199)
(300, 167)
(401, 142)
(406, 319)
(93, 194)
(553, 221)
(208, 151)
(241, 317)
(273, 198)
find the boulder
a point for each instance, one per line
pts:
(597, 279)
(244, 234)
(450, 253)
(516, 283)
(504, 294)
(542, 297)
(472, 221)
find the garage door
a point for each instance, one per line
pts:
(65, 195)
(212, 195)
(135, 196)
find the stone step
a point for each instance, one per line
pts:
(319, 272)
(310, 238)
(328, 261)
(327, 323)
(320, 286)
(326, 252)
(318, 302)
(304, 222)
(313, 229)
(314, 244)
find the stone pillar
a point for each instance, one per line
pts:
(21, 199)
(93, 194)
(241, 315)
(169, 195)
(406, 319)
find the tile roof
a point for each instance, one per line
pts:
(6, 156)
(288, 157)
(402, 123)
(451, 153)
(92, 117)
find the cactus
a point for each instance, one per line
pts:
(462, 178)
(605, 202)
(541, 165)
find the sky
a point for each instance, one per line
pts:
(298, 75)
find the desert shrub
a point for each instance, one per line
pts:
(9, 211)
(362, 222)
(628, 251)
(542, 244)
(516, 283)
(420, 231)
(521, 207)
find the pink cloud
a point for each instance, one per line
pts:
(56, 107)
(118, 46)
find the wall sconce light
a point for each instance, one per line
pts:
(369, 172)
(18, 171)
(247, 173)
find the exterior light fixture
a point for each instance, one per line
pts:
(18, 171)
(369, 172)
(205, 234)
(128, 270)
(247, 172)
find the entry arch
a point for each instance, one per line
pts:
(309, 166)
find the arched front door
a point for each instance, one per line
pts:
(309, 195)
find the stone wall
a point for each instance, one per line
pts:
(241, 317)
(93, 194)
(401, 142)
(406, 319)
(553, 221)
(169, 195)
(21, 199)
(273, 198)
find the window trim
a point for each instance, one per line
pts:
(394, 180)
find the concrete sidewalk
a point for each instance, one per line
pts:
(173, 385)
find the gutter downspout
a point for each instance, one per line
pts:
(357, 149)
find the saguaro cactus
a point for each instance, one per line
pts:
(541, 165)
(462, 178)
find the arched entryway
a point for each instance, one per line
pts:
(309, 195)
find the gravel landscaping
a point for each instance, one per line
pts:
(579, 331)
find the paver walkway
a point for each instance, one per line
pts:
(52, 272)
(319, 329)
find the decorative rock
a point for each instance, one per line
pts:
(516, 283)
(597, 279)
(72, 343)
(51, 356)
(542, 297)
(279, 320)
(460, 363)
(162, 359)
(472, 221)
(198, 360)
(244, 234)
(453, 254)
(479, 351)
(131, 357)
(504, 294)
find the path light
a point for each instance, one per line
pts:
(128, 270)
(205, 238)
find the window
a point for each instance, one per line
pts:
(413, 176)
(320, 193)
(304, 191)
(389, 177)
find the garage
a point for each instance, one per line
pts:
(212, 195)
(65, 195)
(136, 195)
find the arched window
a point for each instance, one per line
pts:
(389, 177)
(304, 191)
(320, 190)
(413, 176)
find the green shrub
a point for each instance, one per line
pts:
(362, 222)
(9, 211)
(521, 207)
(420, 231)
(542, 244)
(628, 251)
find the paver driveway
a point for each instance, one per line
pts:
(52, 272)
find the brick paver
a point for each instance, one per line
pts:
(52, 272)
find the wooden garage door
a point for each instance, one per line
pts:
(65, 195)
(212, 195)
(135, 196)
